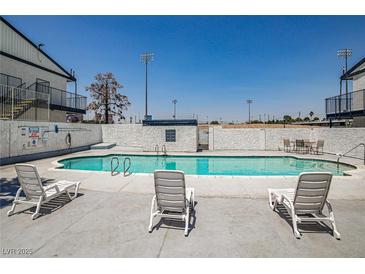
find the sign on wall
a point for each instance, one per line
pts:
(34, 137)
(33, 134)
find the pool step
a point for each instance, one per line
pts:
(103, 146)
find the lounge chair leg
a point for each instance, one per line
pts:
(11, 211)
(150, 227)
(335, 231)
(192, 200)
(336, 234)
(271, 203)
(295, 228)
(76, 192)
(15, 202)
(187, 220)
(36, 213)
(69, 195)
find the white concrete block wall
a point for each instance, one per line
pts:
(138, 137)
(239, 139)
(186, 138)
(14, 144)
(336, 140)
(275, 136)
(124, 135)
(340, 140)
(4, 135)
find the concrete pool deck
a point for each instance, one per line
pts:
(106, 224)
(233, 219)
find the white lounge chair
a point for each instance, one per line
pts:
(306, 202)
(171, 200)
(35, 192)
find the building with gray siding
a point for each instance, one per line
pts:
(27, 73)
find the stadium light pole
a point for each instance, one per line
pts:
(174, 103)
(249, 102)
(345, 53)
(146, 58)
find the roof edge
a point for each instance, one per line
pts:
(69, 76)
(348, 75)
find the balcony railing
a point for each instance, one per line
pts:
(11, 81)
(346, 105)
(61, 98)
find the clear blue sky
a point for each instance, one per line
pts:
(210, 64)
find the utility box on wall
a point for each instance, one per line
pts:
(175, 135)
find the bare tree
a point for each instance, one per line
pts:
(106, 98)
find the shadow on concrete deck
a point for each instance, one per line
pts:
(307, 227)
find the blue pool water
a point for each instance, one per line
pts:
(209, 165)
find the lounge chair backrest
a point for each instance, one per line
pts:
(29, 180)
(312, 191)
(320, 143)
(170, 190)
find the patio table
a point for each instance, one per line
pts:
(309, 144)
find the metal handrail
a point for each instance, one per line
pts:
(157, 149)
(126, 170)
(61, 97)
(111, 165)
(342, 155)
(163, 149)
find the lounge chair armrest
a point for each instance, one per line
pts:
(51, 187)
(291, 209)
(286, 198)
(153, 204)
(190, 195)
(329, 206)
(18, 193)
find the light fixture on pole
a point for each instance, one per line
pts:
(174, 103)
(72, 72)
(345, 53)
(249, 102)
(146, 58)
(40, 45)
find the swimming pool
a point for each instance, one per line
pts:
(209, 165)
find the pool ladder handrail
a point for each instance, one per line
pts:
(157, 150)
(126, 170)
(163, 150)
(112, 170)
(342, 155)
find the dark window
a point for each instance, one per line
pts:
(170, 135)
(42, 85)
(9, 80)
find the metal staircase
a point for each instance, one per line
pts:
(12, 111)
